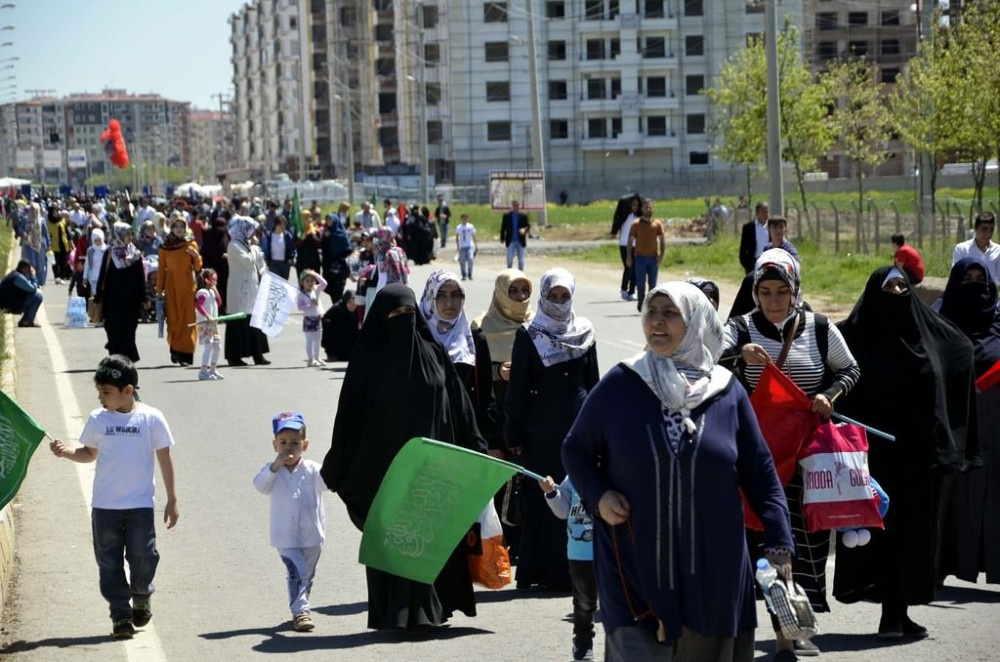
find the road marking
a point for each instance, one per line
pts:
(146, 646)
(624, 344)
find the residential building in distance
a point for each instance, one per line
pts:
(58, 139)
(886, 32)
(211, 144)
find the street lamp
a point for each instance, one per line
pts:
(349, 126)
(421, 98)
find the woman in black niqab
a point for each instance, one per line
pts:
(916, 384)
(399, 384)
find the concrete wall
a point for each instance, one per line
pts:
(7, 539)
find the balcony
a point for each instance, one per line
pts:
(600, 105)
(605, 66)
(633, 141)
(669, 102)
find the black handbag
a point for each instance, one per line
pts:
(511, 509)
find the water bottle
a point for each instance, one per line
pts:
(766, 574)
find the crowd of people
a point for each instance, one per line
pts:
(672, 426)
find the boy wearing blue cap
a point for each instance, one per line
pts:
(298, 522)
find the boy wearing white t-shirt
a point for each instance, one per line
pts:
(123, 437)
(298, 521)
(465, 236)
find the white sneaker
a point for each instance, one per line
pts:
(205, 375)
(216, 374)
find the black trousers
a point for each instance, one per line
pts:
(628, 273)
(581, 574)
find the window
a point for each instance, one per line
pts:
(616, 88)
(655, 47)
(890, 74)
(656, 86)
(616, 47)
(698, 158)
(890, 17)
(826, 20)
(694, 84)
(318, 33)
(596, 88)
(558, 129)
(826, 50)
(696, 124)
(498, 131)
(497, 91)
(858, 48)
(557, 90)
(433, 92)
(754, 38)
(497, 51)
(595, 49)
(754, 7)
(654, 9)
(890, 47)
(694, 45)
(597, 128)
(593, 10)
(693, 8)
(616, 126)
(555, 10)
(656, 125)
(857, 18)
(432, 54)
(495, 12)
(388, 136)
(435, 132)
(383, 32)
(557, 50)
(430, 16)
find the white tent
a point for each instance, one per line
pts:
(186, 190)
(7, 182)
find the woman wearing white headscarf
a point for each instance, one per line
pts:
(820, 363)
(121, 289)
(553, 367)
(443, 306)
(659, 452)
(246, 266)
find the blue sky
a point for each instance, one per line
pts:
(177, 48)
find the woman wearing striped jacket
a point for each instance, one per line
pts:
(820, 363)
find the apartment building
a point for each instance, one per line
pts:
(886, 32)
(58, 138)
(211, 144)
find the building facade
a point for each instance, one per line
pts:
(211, 145)
(52, 139)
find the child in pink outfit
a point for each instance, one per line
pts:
(311, 285)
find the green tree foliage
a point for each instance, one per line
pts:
(739, 109)
(861, 121)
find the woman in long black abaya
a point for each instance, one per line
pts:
(916, 382)
(399, 384)
(972, 529)
(121, 289)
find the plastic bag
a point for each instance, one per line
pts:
(489, 562)
(837, 490)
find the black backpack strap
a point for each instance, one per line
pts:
(822, 335)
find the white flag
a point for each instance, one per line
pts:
(275, 301)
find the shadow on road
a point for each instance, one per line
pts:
(56, 642)
(281, 638)
(483, 597)
(963, 595)
(859, 642)
(342, 610)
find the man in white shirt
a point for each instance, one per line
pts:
(145, 213)
(981, 246)
(77, 216)
(465, 237)
(367, 217)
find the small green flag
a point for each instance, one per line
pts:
(430, 496)
(19, 437)
(296, 217)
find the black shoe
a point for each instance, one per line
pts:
(260, 360)
(913, 630)
(583, 649)
(141, 614)
(237, 363)
(122, 629)
(890, 629)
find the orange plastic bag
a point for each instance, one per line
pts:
(783, 413)
(489, 561)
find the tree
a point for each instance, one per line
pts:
(739, 107)
(861, 121)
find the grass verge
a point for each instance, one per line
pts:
(6, 241)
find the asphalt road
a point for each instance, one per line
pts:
(220, 587)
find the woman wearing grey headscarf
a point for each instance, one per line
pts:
(246, 266)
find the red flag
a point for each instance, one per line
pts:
(989, 378)
(783, 413)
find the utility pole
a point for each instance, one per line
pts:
(538, 148)
(422, 100)
(346, 98)
(776, 187)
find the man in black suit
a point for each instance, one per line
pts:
(754, 237)
(514, 229)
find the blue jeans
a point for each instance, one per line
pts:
(121, 535)
(465, 261)
(515, 248)
(444, 233)
(300, 562)
(646, 269)
(39, 260)
(31, 306)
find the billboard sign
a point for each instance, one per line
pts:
(525, 186)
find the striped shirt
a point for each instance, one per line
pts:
(804, 364)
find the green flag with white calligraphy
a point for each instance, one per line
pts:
(429, 498)
(19, 437)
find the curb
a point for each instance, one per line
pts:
(7, 531)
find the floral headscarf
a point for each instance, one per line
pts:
(455, 334)
(241, 229)
(558, 334)
(123, 252)
(389, 258)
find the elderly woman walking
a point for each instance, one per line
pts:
(669, 427)
(246, 266)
